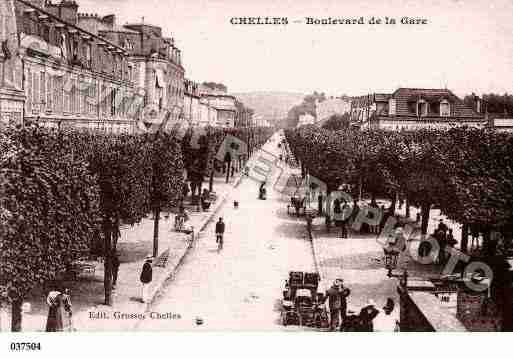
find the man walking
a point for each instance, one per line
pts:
(220, 228)
(146, 278)
(337, 296)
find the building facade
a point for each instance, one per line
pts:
(306, 119)
(223, 105)
(69, 76)
(501, 124)
(154, 61)
(410, 109)
(192, 110)
(12, 96)
(63, 68)
(331, 107)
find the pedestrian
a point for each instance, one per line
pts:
(367, 315)
(475, 233)
(67, 321)
(146, 278)
(115, 269)
(442, 227)
(385, 321)
(337, 297)
(346, 213)
(337, 215)
(451, 241)
(220, 229)
(59, 311)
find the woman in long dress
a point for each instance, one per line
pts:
(59, 312)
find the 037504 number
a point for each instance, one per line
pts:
(19, 347)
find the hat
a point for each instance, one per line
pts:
(371, 303)
(389, 306)
(149, 258)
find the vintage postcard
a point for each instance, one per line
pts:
(270, 166)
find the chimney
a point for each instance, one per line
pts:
(109, 20)
(68, 11)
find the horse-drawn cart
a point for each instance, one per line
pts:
(299, 204)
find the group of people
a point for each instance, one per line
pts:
(368, 320)
(445, 239)
(59, 311)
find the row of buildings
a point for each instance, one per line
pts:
(63, 68)
(326, 109)
(407, 109)
(411, 108)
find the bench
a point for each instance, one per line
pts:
(81, 268)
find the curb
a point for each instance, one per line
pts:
(172, 272)
(315, 253)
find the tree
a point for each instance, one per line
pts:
(124, 171)
(49, 210)
(337, 122)
(167, 177)
(216, 86)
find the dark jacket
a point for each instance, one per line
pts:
(147, 273)
(337, 297)
(443, 227)
(220, 226)
(367, 315)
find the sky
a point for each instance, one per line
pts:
(466, 46)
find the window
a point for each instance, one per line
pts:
(113, 93)
(49, 94)
(66, 89)
(74, 97)
(445, 108)
(412, 107)
(42, 91)
(422, 108)
(45, 32)
(88, 54)
(35, 92)
(104, 101)
(90, 99)
(58, 84)
(434, 108)
(29, 91)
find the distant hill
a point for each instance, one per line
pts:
(270, 105)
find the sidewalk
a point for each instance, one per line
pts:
(359, 260)
(134, 245)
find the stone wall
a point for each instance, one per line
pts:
(478, 312)
(422, 311)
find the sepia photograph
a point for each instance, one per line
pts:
(230, 166)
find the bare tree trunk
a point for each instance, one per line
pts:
(328, 209)
(360, 189)
(107, 278)
(408, 209)
(16, 315)
(228, 170)
(116, 236)
(393, 205)
(426, 208)
(211, 181)
(200, 194)
(464, 238)
(156, 220)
